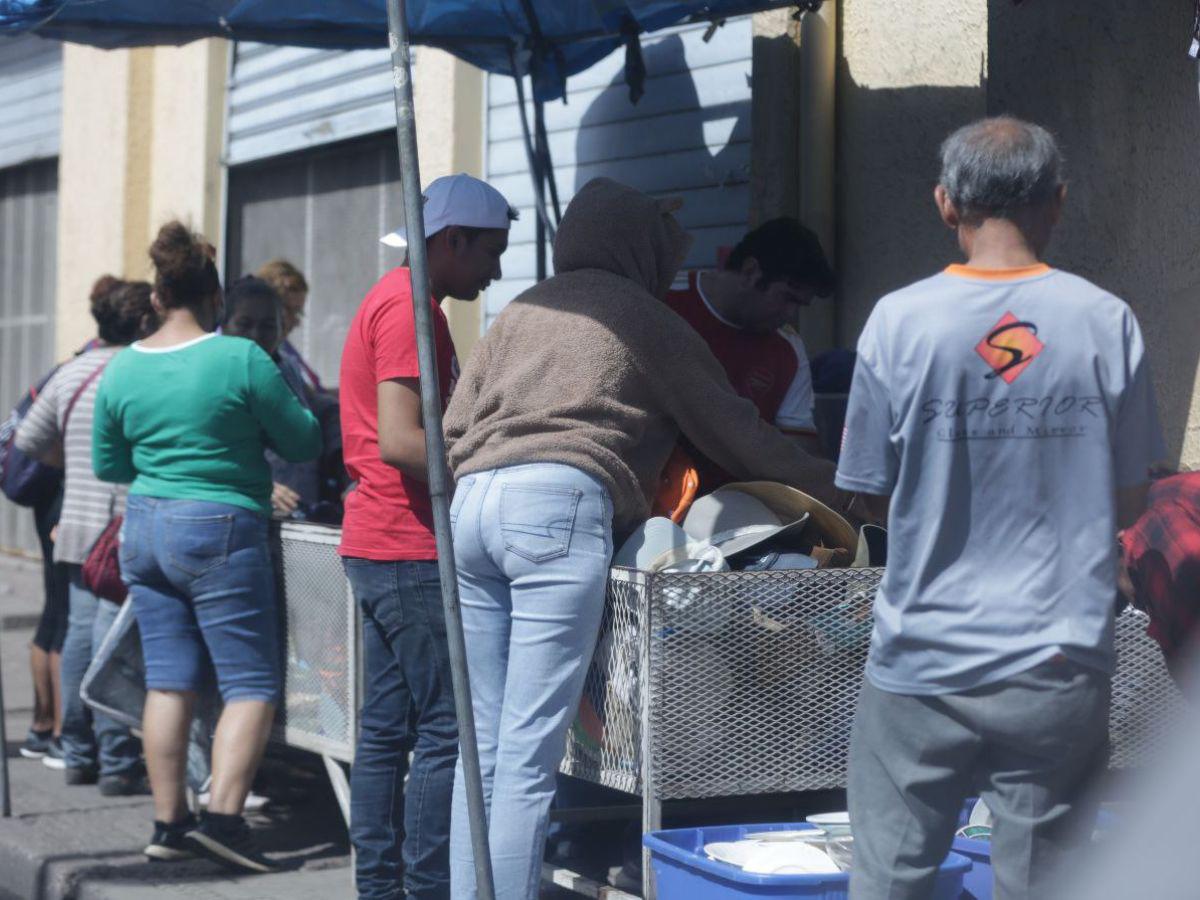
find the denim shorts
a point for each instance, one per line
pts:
(203, 592)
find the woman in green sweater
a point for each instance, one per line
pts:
(185, 416)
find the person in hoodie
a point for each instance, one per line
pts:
(557, 433)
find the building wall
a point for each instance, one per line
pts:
(1111, 79)
(143, 133)
(141, 143)
(909, 73)
(1114, 82)
(448, 94)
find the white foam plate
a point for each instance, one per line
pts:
(806, 835)
(833, 823)
(732, 852)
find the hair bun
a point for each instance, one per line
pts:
(178, 254)
(104, 286)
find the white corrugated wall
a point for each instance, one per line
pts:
(30, 129)
(283, 99)
(688, 136)
(30, 99)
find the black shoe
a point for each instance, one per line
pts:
(36, 744)
(126, 784)
(54, 758)
(227, 840)
(168, 843)
(79, 776)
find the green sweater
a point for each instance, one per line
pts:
(190, 422)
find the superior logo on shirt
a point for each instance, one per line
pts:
(1009, 348)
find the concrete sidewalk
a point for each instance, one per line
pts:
(69, 842)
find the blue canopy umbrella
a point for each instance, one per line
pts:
(553, 38)
(545, 39)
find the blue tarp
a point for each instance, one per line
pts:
(488, 33)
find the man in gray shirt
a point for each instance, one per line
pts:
(1006, 409)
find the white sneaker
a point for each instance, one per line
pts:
(254, 802)
(54, 758)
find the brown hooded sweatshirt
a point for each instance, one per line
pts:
(592, 369)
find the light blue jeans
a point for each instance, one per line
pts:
(533, 545)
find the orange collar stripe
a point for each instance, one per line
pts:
(997, 274)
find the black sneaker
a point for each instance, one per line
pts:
(36, 744)
(125, 784)
(226, 839)
(79, 776)
(168, 843)
(54, 758)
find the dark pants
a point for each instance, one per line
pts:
(52, 627)
(402, 841)
(1029, 745)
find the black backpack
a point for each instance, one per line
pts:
(26, 481)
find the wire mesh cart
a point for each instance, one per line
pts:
(743, 683)
(319, 643)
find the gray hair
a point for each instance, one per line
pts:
(1000, 166)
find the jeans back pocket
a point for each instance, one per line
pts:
(537, 522)
(198, 544)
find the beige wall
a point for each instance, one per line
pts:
(141, 142)
(909, 73)
(448, 94)
(1114, 82)
(1111, 79)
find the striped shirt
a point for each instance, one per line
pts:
(88, 502)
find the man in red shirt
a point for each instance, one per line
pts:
(742, 312)
(390, 555)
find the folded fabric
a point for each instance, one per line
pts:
(772, 561)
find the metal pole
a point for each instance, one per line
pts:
(435, 447)
(5, 796)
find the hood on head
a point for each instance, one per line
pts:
(612, 227)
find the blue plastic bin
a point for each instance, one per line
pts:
(682, 872)
(977, 884)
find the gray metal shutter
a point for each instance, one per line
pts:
(291, 98)
(28, 237)
(30, 99)
(324, 210)
(689, 135)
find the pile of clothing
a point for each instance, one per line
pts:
(753, 527)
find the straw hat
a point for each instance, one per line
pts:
(734, 521)
(792, 504)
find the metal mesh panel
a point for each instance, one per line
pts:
(753, 679)
(604, 745)
(320, 624)
(1145, 701)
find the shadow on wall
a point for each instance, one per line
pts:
(1114, 82)
(888, 230)
(688, 135)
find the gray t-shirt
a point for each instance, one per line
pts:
(1001, 411)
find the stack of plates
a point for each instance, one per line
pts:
(776, 855)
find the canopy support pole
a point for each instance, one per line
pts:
(435, 446)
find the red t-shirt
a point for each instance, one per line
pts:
(770, 370)
(389, 516)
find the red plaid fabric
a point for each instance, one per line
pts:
(1162, 553)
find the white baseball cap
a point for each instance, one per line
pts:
(458, 200)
